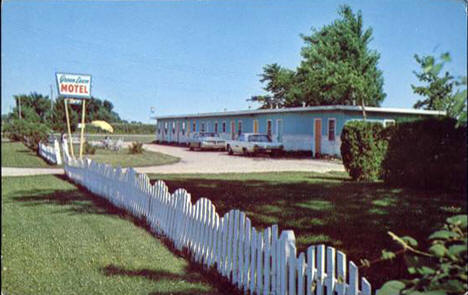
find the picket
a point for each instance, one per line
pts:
(254, 261)
(50, 153)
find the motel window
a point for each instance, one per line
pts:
(216, 127)
(387, 123)
(194, 126)
(165, 128)
(269, 128)
(202, 127)
(239, 128)
(224, 126)
(183, 128)
(331, 129)
(173, 127)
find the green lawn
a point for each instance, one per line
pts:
(328, 208)
(57, 239)
(125, 159)
(16, 154)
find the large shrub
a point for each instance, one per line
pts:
(363, 147)
(439, 270)
(136, 148)
(30, 133)
(427, 154)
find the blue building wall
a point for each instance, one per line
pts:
(294, 129)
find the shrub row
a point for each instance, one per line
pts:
(126, 128)
(427, 153)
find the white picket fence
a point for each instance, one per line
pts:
(51, 153)
(259, 262)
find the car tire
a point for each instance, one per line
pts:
(191, 148)
(245, 152)
(230, 151)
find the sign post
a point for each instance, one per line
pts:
(69, 129)
(76, 87)
(82, 128)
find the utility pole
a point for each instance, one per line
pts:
(51, 101)
(18, 101)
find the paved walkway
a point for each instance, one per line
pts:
(208, 162)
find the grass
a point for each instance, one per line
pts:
(57, 239)
(330, 209)
(124, 159)
(16, 154)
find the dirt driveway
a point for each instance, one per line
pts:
(207, 162)
(221, 162)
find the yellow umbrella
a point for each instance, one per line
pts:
(103, 125)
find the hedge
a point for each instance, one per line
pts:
(427, 154)
(363, 147)
(30, 133)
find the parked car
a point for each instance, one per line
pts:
(254, 143)
(206, 141)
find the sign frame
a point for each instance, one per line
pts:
(77, 96)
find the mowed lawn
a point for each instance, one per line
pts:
(57, 239)
(329, 209)
(124, 159)
(16, 154)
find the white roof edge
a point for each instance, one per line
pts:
(306, 109)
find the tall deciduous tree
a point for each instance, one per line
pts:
(337, 68)
(442, 92)
(438, 87)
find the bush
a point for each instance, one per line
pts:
(30, 133)
(88, 149)
(428, 154)
(439, 270)
(136, 148)
(363, 147)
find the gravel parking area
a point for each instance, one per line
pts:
(208, 162)
(221, 162)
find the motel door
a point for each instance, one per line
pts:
(318, 135)
(255, 126)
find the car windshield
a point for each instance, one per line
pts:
(208, 134)
(259, 138)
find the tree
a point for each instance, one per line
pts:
(96, 109)
(34, 107)
(439, 90)
(337, 67)
(279, 82)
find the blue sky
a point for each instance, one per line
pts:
(204, 56)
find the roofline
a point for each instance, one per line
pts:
(306, 109)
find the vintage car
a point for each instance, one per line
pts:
(206, 141)
(254, 143)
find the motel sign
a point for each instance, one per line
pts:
(74, 85)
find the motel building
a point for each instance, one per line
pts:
(314, 129)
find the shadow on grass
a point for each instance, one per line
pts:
(81, 201)
(352, 217)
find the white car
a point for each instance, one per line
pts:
(254, 143)
(206, 141)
